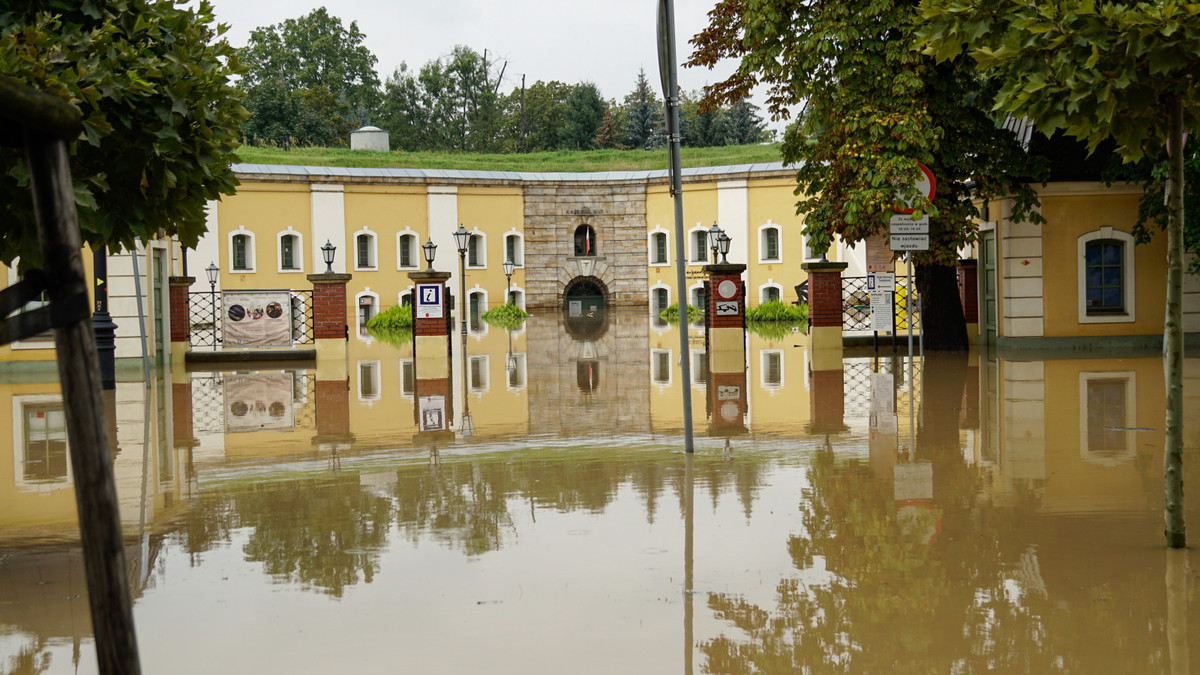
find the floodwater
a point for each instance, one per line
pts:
(533, 513)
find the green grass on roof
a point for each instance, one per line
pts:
(565, 161)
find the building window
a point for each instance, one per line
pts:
(585, 240)
(658, 249)
(406, 251)
(514, 250)
(364, 251)
(1106, 276)
(699, 246)
(1108, 405)
(368, 306)
(289, 253)
(770, 294)
(661, 299)
(477, 304)
(516, 371)
(368, 380)
(477, 373)
(699, 297)
(408, 378)
(475, 252)
(45, 443)
(660, 367)
(241, 252)
(771, 375)
(769, 242)
(699, 368)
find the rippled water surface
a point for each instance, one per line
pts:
(530, 511)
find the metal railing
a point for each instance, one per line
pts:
(856, 305)
(206, 322)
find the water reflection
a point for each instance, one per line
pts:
(956, 516)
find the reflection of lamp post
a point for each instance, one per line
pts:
(467, 427)
(430, 250)
(723, 247)
(508, 269)
(461, 237)
(212, 270)
(510, 364)
(714, 235)
(327, 252)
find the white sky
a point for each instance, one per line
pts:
(571, 41)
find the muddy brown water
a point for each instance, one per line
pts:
(970, 515)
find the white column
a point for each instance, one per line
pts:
(733, 215)
(329, 224)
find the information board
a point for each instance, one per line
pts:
(429, 301)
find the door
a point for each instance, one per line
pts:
(158, 274)
(987, 288)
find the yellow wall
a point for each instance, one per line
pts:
(265, 210)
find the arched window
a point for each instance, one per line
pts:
(699, 297)
(407, 251)
(364, 250)
(660, 298)
(585, 240)
(514, 249)
(291, 253)
(241, 251)
(367, 305)
(770, 292)
(658, 249)
(1106, 276)
(699, 245)
(476, 251)
(769, 250)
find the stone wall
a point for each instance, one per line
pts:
(617, 213)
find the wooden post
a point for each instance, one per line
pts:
(79, 374)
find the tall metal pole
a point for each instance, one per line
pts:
(462, 290)
(669, 71)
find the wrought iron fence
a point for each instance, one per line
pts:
(206, 320)
(856, 305)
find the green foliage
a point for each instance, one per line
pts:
(505, 316)
(394, 325)
(536, 114)
(776, 330)
(564, 161)
(585, 112)
(671, 313)
(644, 125)
(316, 51)
(160, 116)
(775, 310)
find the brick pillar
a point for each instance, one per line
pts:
(330, 325)
(180, 315)
(726, 342)
(432, 327)
(827, 392)
(968, 294)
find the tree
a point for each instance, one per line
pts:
(312, 116)
(744, 125)
(644, 122)
(402, 112)
(160, 116)
(873, 108)
(585, 112)
(537, 114)
(1099, 70)
(316, 50)
(701, 128)
(608, 136)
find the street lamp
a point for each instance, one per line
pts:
(508, 269)
(212, 270)
(430, 250)
(461, 237)
(723, 247)
(714, 235)
(327, 252)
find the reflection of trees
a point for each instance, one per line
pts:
(463, 503)
(30, 659)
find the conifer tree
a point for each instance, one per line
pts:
(644, 122)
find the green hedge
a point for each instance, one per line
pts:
(393, 325)
(671, 314)
(777, 311)
(505, 316)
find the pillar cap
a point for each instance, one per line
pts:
(968, 262)
(333, 278)
(823, 266)
(725, 268)
(181, 281)
(425, 275)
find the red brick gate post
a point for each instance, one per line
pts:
(330, 330)
(726, 338)
(827, 397)
(180, 314)
(431, 356)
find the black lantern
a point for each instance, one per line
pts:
(723, 247)
(430, 250)
(327, 252)
(461, 237)
(714, 236)
(508, 269)
(212, 270)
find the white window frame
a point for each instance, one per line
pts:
(653, 290)
(762, 369)
(400, 295)
(372, 366)
(408, 364)
(1130, 381)
(297, 254)
(251, 249)
(416, 252)
(19, 402)
(479, 388)
(770, 284)
(692, 290)
(698, 382)
(518, 295)
(651, 247)
(520, 367)
(762, 243)
(1127, 281)
(372, 251)
(482, 247)
(360, 328)
(28, 343)
(662, 384)
(483, 308)
(519, 261)
(808, 253)
(693, 254)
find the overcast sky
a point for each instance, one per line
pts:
(604, 42)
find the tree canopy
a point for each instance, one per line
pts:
(160, 116)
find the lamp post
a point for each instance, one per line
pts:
(430, 250)
(723, 247)
(508, 269)
(714, 235)
(211, 271)
(461, 237)
(327, 253)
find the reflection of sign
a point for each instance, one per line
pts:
(882, 286)
(257, 402)
(256, 318)
(433, 413)
(883, 403)
(429, 301)
(727, 308)
(727, 289)
(728, 392)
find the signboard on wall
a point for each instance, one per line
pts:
(433, 413)
(256, 318)
(882, 286)
(258, 402)
(429, 301)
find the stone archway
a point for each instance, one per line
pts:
(585, 308)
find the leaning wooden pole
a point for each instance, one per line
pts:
(79, 375)
(1173, 335)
